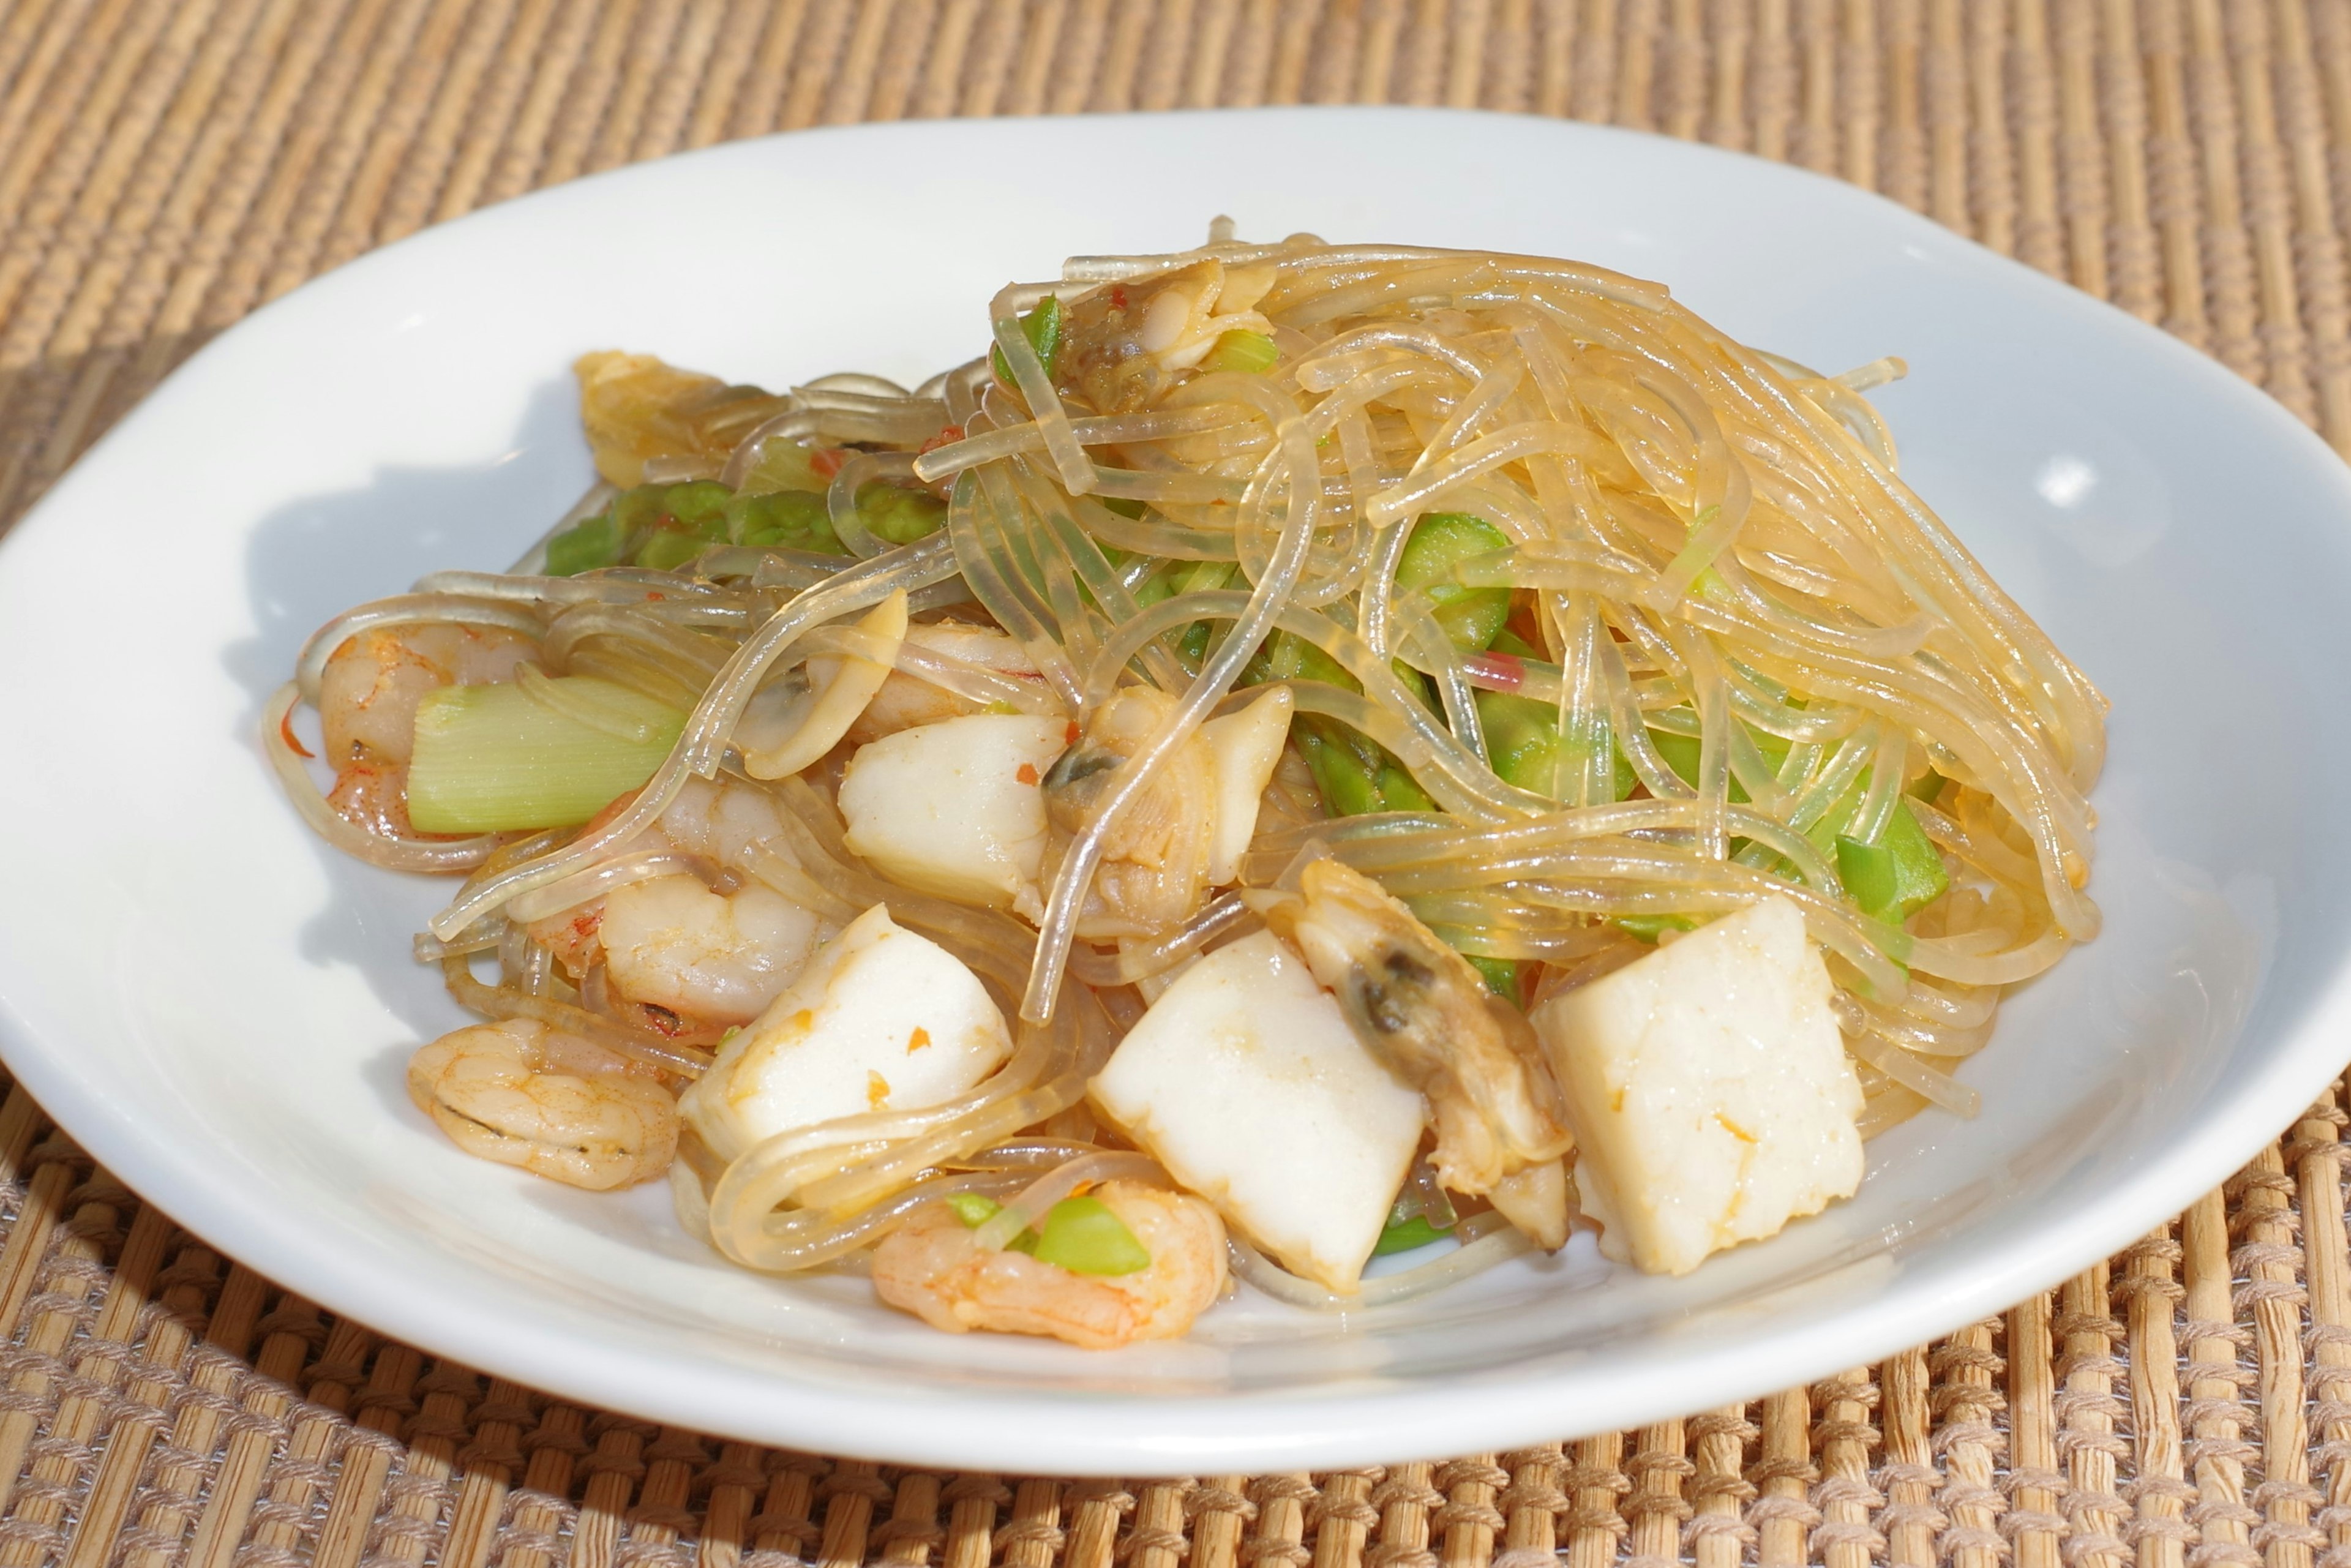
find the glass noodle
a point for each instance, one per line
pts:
(1738, 620)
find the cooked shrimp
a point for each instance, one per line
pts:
(1156, 864)
(368, 697)
(934, 1268)
(524, 1095)
(907, 700)
(672, 943)
(1420, 1006)
(715, 948)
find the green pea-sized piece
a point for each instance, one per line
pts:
(1404, 1235)
(1084, 1235)
(1247, 354)
(1897, 873)
(668, 549)
(1470, 616)
(1042, 327)
(594, 543)
(785, 519)
(897, 516)
(699, 508)
(1500, 975)
(1523, 743)
(973, 1209)
(1355, 773)
(1648, 927)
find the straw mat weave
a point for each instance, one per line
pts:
(166, 167)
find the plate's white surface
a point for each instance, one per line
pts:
(220, 1009)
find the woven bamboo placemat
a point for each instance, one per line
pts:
(166, 167)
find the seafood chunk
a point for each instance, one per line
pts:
(907, 700)
(957, 807)
(882, 1019)
(1428, 1015)
(804, 712)
(672, 941)
(1245, 1082)
(524, 1095)
(1246, 749)
(932, 1267)
(368, 697)
(1709, 1091)
(1155, 864)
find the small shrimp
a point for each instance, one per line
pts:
(1155, 864)
(715, 948)
(932, 1267)
(1420, 1006)
(367, 698)
(907, 700)
(672, 943)
(521, 1093)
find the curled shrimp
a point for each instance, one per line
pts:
(1421, 1008)
(934, 1266)
(521, 1093)
(368, 697)
(709, 945)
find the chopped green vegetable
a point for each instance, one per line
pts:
(784, 519)
(668, 550)
(1649, 927)
(495, 759)
(1470, 616)
(1080, 1234)
(1500, 975)
(698, 507)
(898, 516)
(1085, 1237)
(1680, 753)
(1404, 1235)
(592, 544)
(1355, 773)
(1896, 875)
(1925, 787)
(972, 1207)
(1524, 742)
(1249, 354)
(1042, 327)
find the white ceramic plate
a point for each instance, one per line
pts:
(219, 1009)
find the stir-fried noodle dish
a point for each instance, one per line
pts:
(1295, 754)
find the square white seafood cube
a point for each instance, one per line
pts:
(1245, 1080)
(1708, 1089)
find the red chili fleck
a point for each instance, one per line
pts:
(1496, 672)
(826, 461)
(657, 595)
(286, 734)
(948, 436)
(1118, 297)
(1027, 774)
(1070, 736)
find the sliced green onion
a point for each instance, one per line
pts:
(1250, 353)
(496, 759)
(972, 1207)
(594, 543)
(1043, 327)
(1500, 975)
(1470, 616)
(1649, 927)
(1403, 1236)
(1898, 874)
(1083, 1236)
(898, 516)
